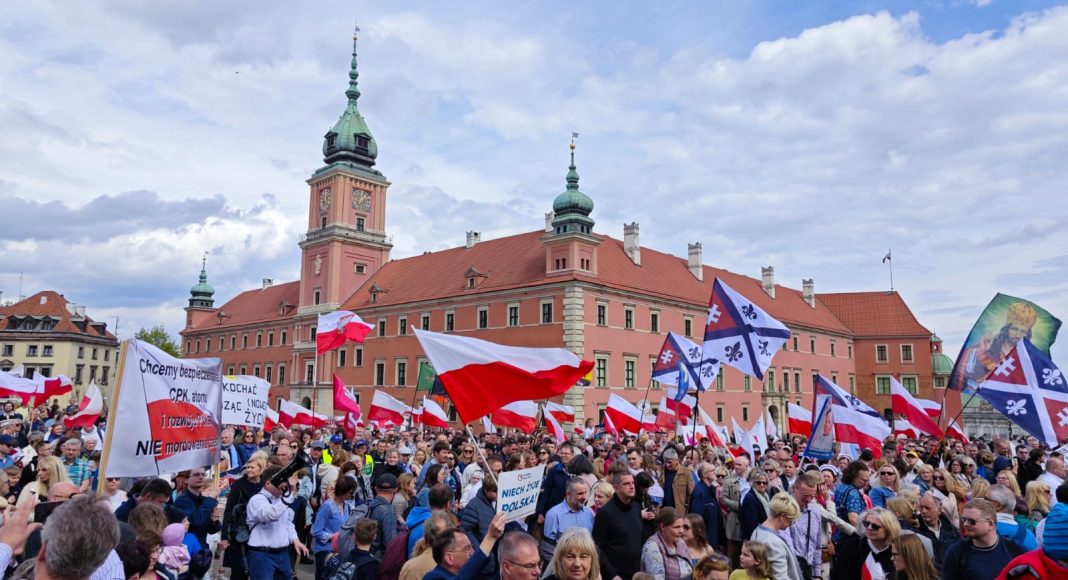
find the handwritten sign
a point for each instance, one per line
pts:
(244, 400)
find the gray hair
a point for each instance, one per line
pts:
(574, 482)
(670, 454)
(78, 537)
(1002, 496)
(513, 541)
(73, 442)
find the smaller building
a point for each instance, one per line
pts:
(47, 335)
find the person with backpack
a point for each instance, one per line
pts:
(328, 521)
(1004, 499)
(360, 563)
(235, 530)
(983, 553)
(849, 499)
(381, 510)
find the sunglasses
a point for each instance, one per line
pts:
(887, 473)
(872, 526)
(294, 446)
(970, 521)
(760, 483)
(939, 478)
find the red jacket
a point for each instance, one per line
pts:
(1034, 564)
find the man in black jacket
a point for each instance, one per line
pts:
(935, 525)
(617, 530)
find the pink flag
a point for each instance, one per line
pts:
(343, 399)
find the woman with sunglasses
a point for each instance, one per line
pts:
(697, 538)
(754, 508)
(248, 444)
(881, 529)
(944, 486)
(889, 485)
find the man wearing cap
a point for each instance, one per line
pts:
(7, 443)
(315, 459)
(381, 510)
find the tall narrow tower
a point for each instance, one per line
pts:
(201, 298)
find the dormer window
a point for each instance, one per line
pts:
(374, 291)
(330, 138)
(362, 142)
(474, 277)
(471, 282)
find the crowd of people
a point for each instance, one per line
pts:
(410, 504)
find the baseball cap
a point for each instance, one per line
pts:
(360, 443)
(386, 482)
(337, 439)
(8, 440)
(318, 445)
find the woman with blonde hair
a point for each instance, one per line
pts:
(924, 477)
(881, 529)
(602, 492)
(944, 486)
(575, 557)
(50, 471)
(405, 497)
(241, 491)
(783, 511)
(979, 488)
(888, 486)
(714, 567)
(1037, 498)
(418, 460)
(910, 558)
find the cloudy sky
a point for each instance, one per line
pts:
(811, 136)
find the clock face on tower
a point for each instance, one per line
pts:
(324, 200)
(361, 200)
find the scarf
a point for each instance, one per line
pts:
(672, 555)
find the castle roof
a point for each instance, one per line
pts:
(874, 314)
(49, 312)
(276, 302)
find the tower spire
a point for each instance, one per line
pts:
(572, 173)
(353, 92)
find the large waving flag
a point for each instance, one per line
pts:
(387, 410)
(903, 427)
(563, 413)
(522, 415)
(800, 419)
(350, 424)
(336, 328)
(12, 385)
(627, 417)
(717, 435)
(934, 411)
(290, 413)
(610, 427)
(682, 363)
(554, 428)
(854, 421)
(739, 333)
(89, 409)
(431, 414)
(343, 399)
(903, 403)
(1030, 391)
(672, 412)
(474, 371)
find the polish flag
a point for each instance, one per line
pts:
(627, 417)
(352, 422)
(53, 386)
(432, 415)
(336, 328)
(89, 409)
(903, 427)
(12, 385)
(953, 430)
(610, 427)
(522, 415)
(385, 408)
(800, 419)
(715, 436)
(934, 411)
(343, 399)
(903, 403)
(270, 421)
(290, 413)
(474, 370)
(672, 412)
(555, 429)
(872, 570)
(855, 422)
(563, 413)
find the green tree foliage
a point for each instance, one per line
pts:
(157, 336)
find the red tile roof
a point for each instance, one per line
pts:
(519, 261)
(252, 306)
(874, 313)
(53, 305)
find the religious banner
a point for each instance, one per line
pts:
(517, 492)
(244, 400)
(167, 410)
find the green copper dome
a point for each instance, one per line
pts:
(350, 140)
(202, 295)
(941, 364)
(572, 208)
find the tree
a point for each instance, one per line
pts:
(157, 336)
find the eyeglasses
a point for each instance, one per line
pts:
(531, 567)
(872, 526)
(972, 521)
(294, 446)
(939, 478)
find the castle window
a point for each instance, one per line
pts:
(402, 326)
(450, 321)
(360, 224)
(322, 222)
(362, 142)
(330, 139)
(359, 268)
(483, 317)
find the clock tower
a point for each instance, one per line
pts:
(346, 240)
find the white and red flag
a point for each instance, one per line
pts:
(799, 419)
(385, 408)
(270, 420)
(610, 427)
(89, 409)
(739, 333)
(854, 421)
(474, 370)
(336, 328)
(290, 413)
(903, 403)
(903, 427)
(716, 435)
(351, 422)
(344, 400)
(555, 429)
(431, 414)
(12, 385)
(934, 411)
(563, 413)
(672, 412)
(872, 570)
(627, 417)
(522, 415)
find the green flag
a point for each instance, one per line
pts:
(428, 381)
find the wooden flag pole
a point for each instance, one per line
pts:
(112, 406)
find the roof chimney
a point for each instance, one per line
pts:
(473, 238)
(79, 310)
(767, 276)
(268, 282)
(44, 299)
(630, 243)
(549, 222)
(808, 290)
(694, 260)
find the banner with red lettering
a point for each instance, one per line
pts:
(166, 415)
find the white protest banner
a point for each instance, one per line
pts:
(168, 410)
(244, 400)
(517, 492)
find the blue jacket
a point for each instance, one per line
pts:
(470, 571)
(703, 502)
(553, 489)
(416, 517)
(328, 521)
(475, 518)
(880, 495)
(198, 509)
(751, 514)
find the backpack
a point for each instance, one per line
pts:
(346, 571)
(346, 537)
(395, 557)
(1015, 549)
(240, 531)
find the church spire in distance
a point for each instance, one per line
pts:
(350, 141)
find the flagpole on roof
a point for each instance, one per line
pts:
(889, 258)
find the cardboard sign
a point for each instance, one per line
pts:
(244, 400)
(517, 492)
(168, 412)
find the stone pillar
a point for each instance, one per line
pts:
(574, 340)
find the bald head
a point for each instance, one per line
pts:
(62, 491)
(1055, 465)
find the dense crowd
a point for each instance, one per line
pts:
(410, 504)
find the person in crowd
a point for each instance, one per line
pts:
(1037, 497)
(432, 476)
(272, 532)
(554, 484)
(174, 555)
(704, 503)
(804, 536)
(1030, 469)
(1053, 476)
(50, 471)
(983, 553)
(910, 559)
(617, 529)
(715, 567)
(234, 532)
(418, 460)
(1004, 501)
(77, 466)
(849, 499)
(730, 497)
(569, 514)
(365, 564)
(456, 557)
(154, 491)
(602, 494)
(889, 484)
(115, 495)
(1049, 561)
(677, 481)
(665, 555)
(404, 500)
(754, 560)
(936, 526)
(203, 511)
(979, 488)
(881, 528)
(696, 536)
(77, 541)
(575, 557)
(381, 510)
(421, 560)
(328, 521)
(755, 504)
(517, 552)
(924, 477)
(783, 511)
